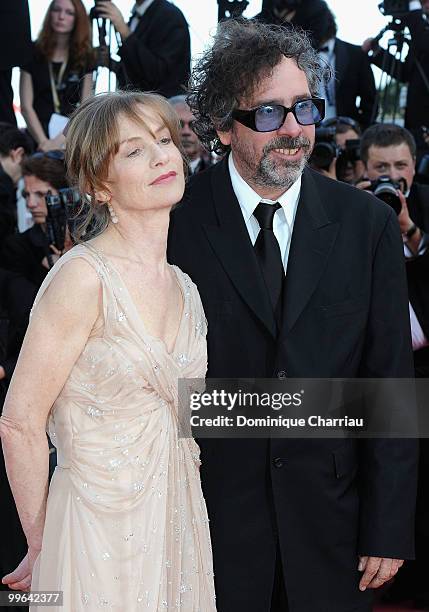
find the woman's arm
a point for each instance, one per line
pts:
(57, 334)
(26, 94)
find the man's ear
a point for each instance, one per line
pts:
(224, 137)
(17, 155)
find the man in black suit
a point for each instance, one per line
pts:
(156, 49)
(414, 70)
(292, 521)
(15, 50)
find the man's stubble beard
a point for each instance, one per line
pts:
(270, 173)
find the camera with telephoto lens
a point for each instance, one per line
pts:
(386, 190)
(325, 148)
(394, 8)
(63, 213)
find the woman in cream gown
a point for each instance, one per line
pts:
(125, 524)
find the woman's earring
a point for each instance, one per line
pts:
(113, 215)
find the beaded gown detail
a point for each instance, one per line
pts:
(126, 525)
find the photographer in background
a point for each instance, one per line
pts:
(349, 167)
(14, 147)
(197, 157)
(27, 253)
(156, 49)
(389, 150)
(414, 70)
(336, 152)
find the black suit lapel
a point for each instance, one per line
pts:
(341, 62)
(312, 240)
(232, 245)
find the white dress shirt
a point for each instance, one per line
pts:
(328, 90)
(284, 217)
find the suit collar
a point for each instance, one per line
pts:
(312, 241)
(232, 245)
(341, 61)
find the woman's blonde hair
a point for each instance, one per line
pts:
(92, 139)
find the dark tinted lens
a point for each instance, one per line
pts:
(269, 118)
(307, 112)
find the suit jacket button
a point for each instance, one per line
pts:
(278, 462)
(281, 374)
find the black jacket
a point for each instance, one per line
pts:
(23, 253)
(353, 78)
(157, 56)
(8, 216)
(418, 268)
(345, 315)
(15, 35)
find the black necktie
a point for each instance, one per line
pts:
(324, 49)
(268, 252)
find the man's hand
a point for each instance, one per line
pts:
(377, 571)
(110, 11)
(367, 45)
(405, 221)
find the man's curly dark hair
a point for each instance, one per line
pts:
(244, 52)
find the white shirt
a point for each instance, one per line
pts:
(284, 217)
(328, 90)
(138, 11)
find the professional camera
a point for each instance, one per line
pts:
(385, 189)
(348, 157)
(63, 212)
(325, 148)
(394, 8)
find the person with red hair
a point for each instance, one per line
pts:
(59, 76)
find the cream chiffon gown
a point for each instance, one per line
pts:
(126, 526)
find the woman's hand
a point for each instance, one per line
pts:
(20, 578)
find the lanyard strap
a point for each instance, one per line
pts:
(56, 84)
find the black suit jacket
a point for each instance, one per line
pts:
(157, 56)
(15, 35)
(23, 253)
(353, 78)
(418, 268)
(417, 109)
(345, 315)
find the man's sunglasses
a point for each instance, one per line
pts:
(270, 117)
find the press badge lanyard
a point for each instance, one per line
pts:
(56, 84)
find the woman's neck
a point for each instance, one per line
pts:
(61, 49)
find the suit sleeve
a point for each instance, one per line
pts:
(367, 91)
(388, 467)
(154, 65)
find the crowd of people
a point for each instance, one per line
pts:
(304, 225)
